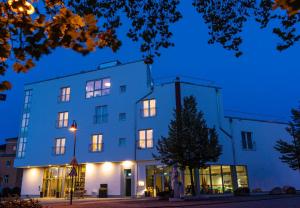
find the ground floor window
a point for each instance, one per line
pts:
(57, 182)
(215, 179)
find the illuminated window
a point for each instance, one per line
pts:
(65, 94)
(247, 141)
(27, 99)
(22, 147)
(146, 138)
(242, 178)
(63, 118)
(97, 143)
(60, 146)
(101, 114)
(97, 88)
(149, 108)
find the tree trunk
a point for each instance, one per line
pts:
(197, 181)
(192, 181)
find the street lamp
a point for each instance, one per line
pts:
(73, 173)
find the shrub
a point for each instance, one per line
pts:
(290, 190)
(6, 192)
(276, 191)
(25, 203)
(242, 191)
(16, 191)
(257, 190)
(164, 194)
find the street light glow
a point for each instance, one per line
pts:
(73, 127)
(20, 6)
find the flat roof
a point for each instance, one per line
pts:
(106, 66)
(257, 120)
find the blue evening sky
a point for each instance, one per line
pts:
(262, 81)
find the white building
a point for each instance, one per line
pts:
(121, 115)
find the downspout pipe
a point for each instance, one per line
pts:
(149, 83)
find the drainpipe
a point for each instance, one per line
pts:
(230, 136)
(149, 83)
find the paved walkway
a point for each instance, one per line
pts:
(228, 202)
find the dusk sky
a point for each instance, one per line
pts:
(262, 81)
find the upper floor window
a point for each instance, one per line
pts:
(122, 142)
(27, 99)
(25, 121)
(60, 146)
(122, 116)
(97, 88)
(63, 118)
(5, 179)
(123, 88)
(149, 108)
(247, 141)
(146, 138)
(101, 114)
(65, 94)
(21, 147)
(97, 143)
(8, 163)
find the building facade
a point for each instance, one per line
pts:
(121, 113)
(10, 177)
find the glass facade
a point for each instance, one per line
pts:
(215, 179)
(57, 182)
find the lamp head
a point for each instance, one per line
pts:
(73, 127)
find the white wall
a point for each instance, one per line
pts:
(264, 167)
(32, 181)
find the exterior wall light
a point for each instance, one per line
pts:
(21, 6)
(127, 164)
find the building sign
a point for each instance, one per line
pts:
(2, 97)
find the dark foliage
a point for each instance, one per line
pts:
(242, 191)
(290, 151)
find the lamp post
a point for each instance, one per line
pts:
(73, 173)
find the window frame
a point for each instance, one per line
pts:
(59, 150)
(97, 144)
(146, 139)
(63, 120)
(245, 138)
(102, 118)
(94, 88)
(61, 95)
(149, 108)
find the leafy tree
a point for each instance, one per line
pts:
(85, 25)
(290, 152)
(190, 143)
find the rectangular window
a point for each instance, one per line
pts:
(122, 142)
(123, 88)
(63, 119)
(27, 99)
(122, 116)
(96, 88)
(146, 138)
(247, 141)
(101, 114)
(21, 147)
(65, 94)
(149, 108)
(8, 163)
(97, 143)
(60, 146)
(25, 122)
(242, 178)
(5, 179)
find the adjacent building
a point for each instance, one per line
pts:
(10, 177)
(121, 113)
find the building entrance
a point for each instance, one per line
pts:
(57, 182)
